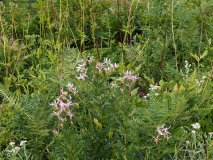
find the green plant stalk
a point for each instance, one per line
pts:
(173, 34)
(129, 28)
(82, 27)
(25, 152)
(164, 50)
(119, 30)
(201, 37)
(49, 23)
(93, 26)
(42, 32)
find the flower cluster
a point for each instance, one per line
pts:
(63, 103)
(201, 82)
(187, 69)
(82, 67)
(129, 78)
(162, 131)
(106, 66)
(153, 89)
(195, 126)
(103, 67)
(15, 149)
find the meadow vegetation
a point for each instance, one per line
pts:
(102, 79)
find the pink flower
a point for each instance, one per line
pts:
(81, 68)
(57, 113)
(121, 79)
(99, 66)
(55, 104)
(82, 76)
(71, 88)
(113, 66)
(128, 74)
(107, 61)
(55, 131)
(83, 61)
(70, 114)
(90, 59)
(134, 78)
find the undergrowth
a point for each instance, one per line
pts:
(106, 79)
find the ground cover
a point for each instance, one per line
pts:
(124, 79)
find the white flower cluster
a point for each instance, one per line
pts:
(15, 149)
(187, 69)
(195, 126)
(153, 89)
(201, 82)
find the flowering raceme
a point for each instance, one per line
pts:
(64, 103)
(162, 131)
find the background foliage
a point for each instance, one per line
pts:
(167, 43)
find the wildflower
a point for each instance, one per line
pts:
(129, 85)
(12, 143)
(122, 90)
(55, 131)
(74, 91)
(63, 105)
(121, 79)
(187, 142)
(196, 125)
(156, 94)
(128, 75)
(99, 66)
(82, 76)
(83, 61)
(156, 139)
(70, 114)
(90, 59)
(57, 113)
(17, 149)
(114, 85)
(113, 66)
(55, 104)
(81, 68)
(107, 61)
(193, 131)
(134, 78)
(163, 131)
(23, 142)
(210, 133)
(62, 119)
(107, 69)
(71, 88)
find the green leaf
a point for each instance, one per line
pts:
(134, 92)
(97, 123)
(204, 54)
(195, 56)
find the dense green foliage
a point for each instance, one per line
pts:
(92, 79)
